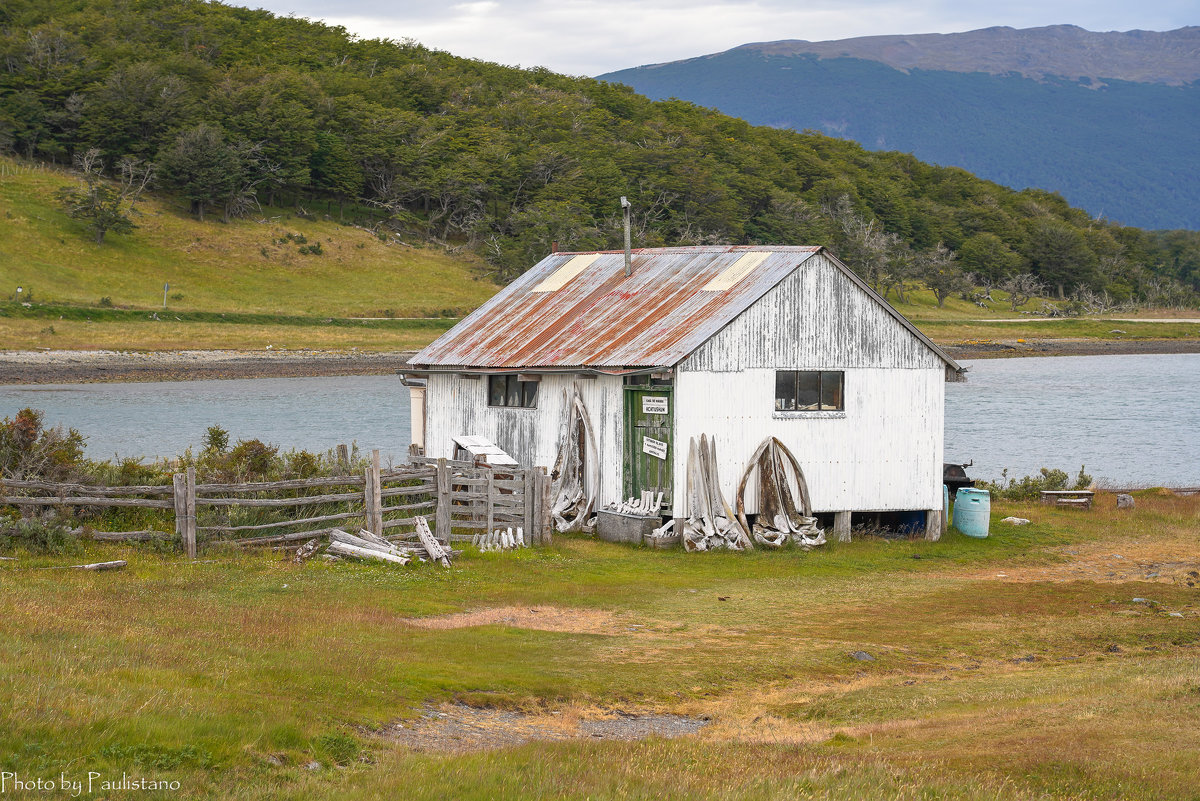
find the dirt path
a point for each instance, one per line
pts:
(457, 728)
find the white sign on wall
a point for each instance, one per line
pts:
(654, 404)
(655, 447)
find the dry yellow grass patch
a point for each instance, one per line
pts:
(536, 618)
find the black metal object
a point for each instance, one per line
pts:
(954, 476)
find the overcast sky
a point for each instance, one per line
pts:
(590, 37)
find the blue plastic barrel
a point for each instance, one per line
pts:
(972, 511)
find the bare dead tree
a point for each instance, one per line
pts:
(1022, 288)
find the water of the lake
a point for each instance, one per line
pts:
(1133, 420)
(162, 419)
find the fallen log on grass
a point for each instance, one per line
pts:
(345, 549)
(94, 566)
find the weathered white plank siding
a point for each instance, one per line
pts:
(814, 318)
(884, 453)
(458, 405)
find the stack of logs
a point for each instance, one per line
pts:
(371, 546)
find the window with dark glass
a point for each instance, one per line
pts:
(809, 390)
(507, 390)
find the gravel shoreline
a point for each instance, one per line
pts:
(1011, 348)
(83, 366)
(88, 366)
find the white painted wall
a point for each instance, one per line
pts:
(458, 405)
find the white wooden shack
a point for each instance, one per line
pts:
(739, 343)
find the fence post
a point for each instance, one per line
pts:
(442, 521)
(491, 500)
(376, 522)
(368, 497)
(179, 495)
(530, 536)
(545, 506)
(189, 520)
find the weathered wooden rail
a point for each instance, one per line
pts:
(460, 496)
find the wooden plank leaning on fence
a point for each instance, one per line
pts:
(434, 548)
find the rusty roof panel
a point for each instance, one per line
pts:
(600, 318)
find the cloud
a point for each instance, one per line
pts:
(587, 37)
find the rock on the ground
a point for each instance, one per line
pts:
(861, 656)
(1015, 521)
(1124, 501)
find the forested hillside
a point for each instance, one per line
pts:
(232, 107)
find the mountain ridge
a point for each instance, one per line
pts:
(1067, 51)
(1119, 148)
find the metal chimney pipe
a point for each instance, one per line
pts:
(625, 207)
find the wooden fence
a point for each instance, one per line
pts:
(461, 498)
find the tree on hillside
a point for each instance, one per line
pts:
(986, 255)
(1060, 255)
(101, 204)
(334, 170)
(1021, 288)
(938, 267)
(201, 167)
(882, 259)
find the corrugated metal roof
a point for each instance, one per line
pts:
(596, 317)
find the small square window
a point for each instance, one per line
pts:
(508, 391)
(809, 391)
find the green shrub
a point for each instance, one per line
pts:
(253, 458)
(1029, 487)
(28, 450)
(38, 536)
(216, 440)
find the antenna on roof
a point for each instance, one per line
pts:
(625, 207)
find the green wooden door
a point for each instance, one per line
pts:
(649, 442)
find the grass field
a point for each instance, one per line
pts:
(75, 328)
(1014, 667)
(248, 265)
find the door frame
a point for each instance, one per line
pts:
(631, 395)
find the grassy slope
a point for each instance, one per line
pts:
(236, 267)
(981, 688)
(222, 268)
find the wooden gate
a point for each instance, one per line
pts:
(649, 442)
